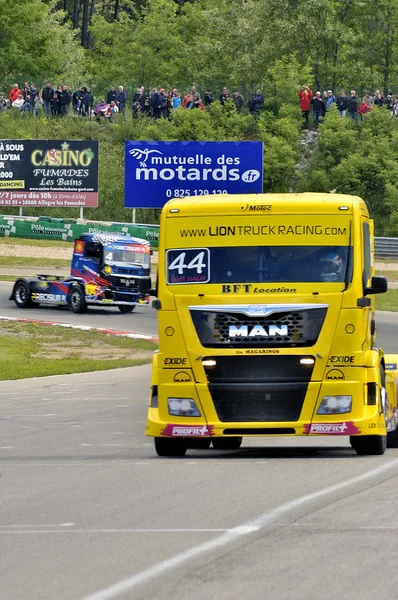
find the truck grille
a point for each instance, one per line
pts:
(262, 402)
(123, 283)
(135, 285)
(292, 328)
(258, 388)
(257, 369)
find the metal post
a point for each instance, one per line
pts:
(21, 211)
(81, 212)
(133, 221)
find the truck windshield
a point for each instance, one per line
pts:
(130, 255)
(254, 264)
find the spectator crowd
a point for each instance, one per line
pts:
(347, 105)
(157, 103)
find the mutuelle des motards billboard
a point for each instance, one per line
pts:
(158, 171)
(48, 173)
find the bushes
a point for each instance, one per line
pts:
(359, 158)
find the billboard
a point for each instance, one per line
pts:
(52, 173)
(158, 171)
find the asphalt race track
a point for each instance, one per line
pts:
(88, 512)
(142, 320)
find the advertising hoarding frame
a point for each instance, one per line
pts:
(49, 173)
(156, 171)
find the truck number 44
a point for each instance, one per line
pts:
(196, 263)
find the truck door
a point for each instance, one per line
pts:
(367, 274)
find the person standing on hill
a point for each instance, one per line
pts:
(342, 103)
(367, 98)
(317, 107)
(156, 103)
(363, 108)
(14, 94)
(224, 96)
(121, 99)
(32, 97)
(238, 100)
(47, 95)
(111, 95)
(305, 95)
(330, 99)
(352, 105)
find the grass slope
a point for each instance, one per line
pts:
(30, 350)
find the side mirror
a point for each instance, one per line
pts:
(379, 286)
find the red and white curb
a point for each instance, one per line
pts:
(116, 332)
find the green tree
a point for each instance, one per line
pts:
(31, 39)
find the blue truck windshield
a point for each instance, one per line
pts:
(126, 254)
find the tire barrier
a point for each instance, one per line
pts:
(68, 229)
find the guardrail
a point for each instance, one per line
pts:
(386, 247)
(69, 229)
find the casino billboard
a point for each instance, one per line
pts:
(49, 173)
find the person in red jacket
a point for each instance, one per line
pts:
(363, 108)
(14, 93)
(305, 95)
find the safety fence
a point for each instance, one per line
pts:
(386, 247)
(69, 229)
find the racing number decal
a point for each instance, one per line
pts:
(191, 265)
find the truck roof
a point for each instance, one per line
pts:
(305, 203)
(105, 238)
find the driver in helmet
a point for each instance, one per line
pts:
(331, 267)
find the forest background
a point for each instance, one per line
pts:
(274, 45)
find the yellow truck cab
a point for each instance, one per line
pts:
(267, 325)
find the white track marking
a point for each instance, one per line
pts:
(37, 527)
(23, 416)
(101, 445)
(232, 535)
(7, 529)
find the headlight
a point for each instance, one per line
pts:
(183, 407)
(335, 405)
(108, 270)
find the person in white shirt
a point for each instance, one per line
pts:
(19, 102)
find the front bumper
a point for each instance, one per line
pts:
(363, 419)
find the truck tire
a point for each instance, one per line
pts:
(232, 443)
(126, 309)
(22, 296)
(367, 445)
(392, 439)
(373, 444)
(76, 299)
(170, 447)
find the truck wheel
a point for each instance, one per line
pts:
(232, 443)
(392, 439)
(366, 445)
(22, 296)
(77, 301)
(126, 309)
(170, 447)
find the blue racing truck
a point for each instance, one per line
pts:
(106, 270)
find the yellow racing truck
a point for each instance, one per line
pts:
(267, 324)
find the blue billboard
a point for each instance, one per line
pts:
(155, 172)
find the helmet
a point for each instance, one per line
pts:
(331, 266)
